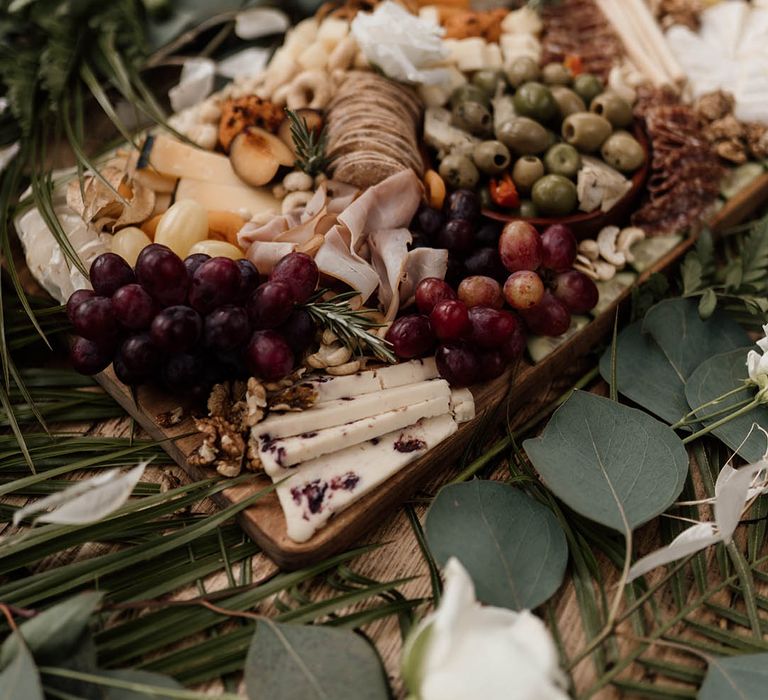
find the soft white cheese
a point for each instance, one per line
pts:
(462, 405)
(278, 456)
(326, 485)
(347, 409)
(331, 388)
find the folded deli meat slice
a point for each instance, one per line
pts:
(324, 486)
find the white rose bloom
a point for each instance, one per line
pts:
(464, 650)
(757, 364)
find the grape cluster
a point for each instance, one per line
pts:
(193, 322)
(472, 341)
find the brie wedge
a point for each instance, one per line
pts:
(324, 486)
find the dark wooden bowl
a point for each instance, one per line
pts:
(588, 224)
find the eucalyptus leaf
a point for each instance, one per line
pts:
(612, 464)
(645, 375)
(55, 633)
(288, 661)
(81, 659)
(716, 377)
(20, 678)
(86, 501)
(686, 339)
(744, 677)
(512, 546)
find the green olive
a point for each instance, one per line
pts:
(526, 172)
(535, 100)
(622, 151)
(563, 159)
(469, 93)
(523, 136)
(459, 172)
(614, 108)
(587, 86)
(528, 209)
(556, 74)
(586, 131)
(567, 100)
(473, 117)
(552, 139)
(488, 81)
(523, 70)
(554, 195)
(491, 157)
(486, 201)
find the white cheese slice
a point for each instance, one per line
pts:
(333, 388)
(462, 405)
(326, 485)
(240, 199)
(347, 409)
(279, 456)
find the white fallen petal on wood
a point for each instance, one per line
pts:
(692, 540)
(85, 501)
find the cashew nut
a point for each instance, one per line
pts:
(279, 191)
(627, 238)
(330, 356)
(311, 89)
(295, 200)
(345, 369)
(598, 270)
(343, 55)
(589, 249)
(606, 243)
(298, 181)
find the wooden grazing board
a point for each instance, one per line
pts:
(265, 523)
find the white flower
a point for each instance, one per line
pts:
(757, 366)
(464, 650)
(404, 46)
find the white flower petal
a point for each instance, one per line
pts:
(693, 539)
(246, 63)
(195, 84)
(257, 22)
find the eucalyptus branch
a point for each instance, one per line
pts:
(727, 419)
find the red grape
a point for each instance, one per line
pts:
(123, 373)
(487, 262)
(577, 291)
(270, 305)
(192, 262)
(140, 357)
(457, 235)
(108, 273)
(490, 328)
(514, 346)
(479, 290)
(77, 298)
(457, 363)
(488, 234)
(133, 307)
(449, 319)
(163, 274)
(559, 247)
(176, 329)
(249, 278)
(93, 319)
(88, 357)
(463, 204)
(269, 356)
(492, 364)
(520, 247)
(215, 283)
(429, 220)
(182, 372)
(549, 317)
(299, 271)
(411, 336)
(299, 331)
(227, 328)
(523, 289)
(430, 291)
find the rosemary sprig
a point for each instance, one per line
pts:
(309, 143)
(353, 327)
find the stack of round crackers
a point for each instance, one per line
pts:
(372, 127)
